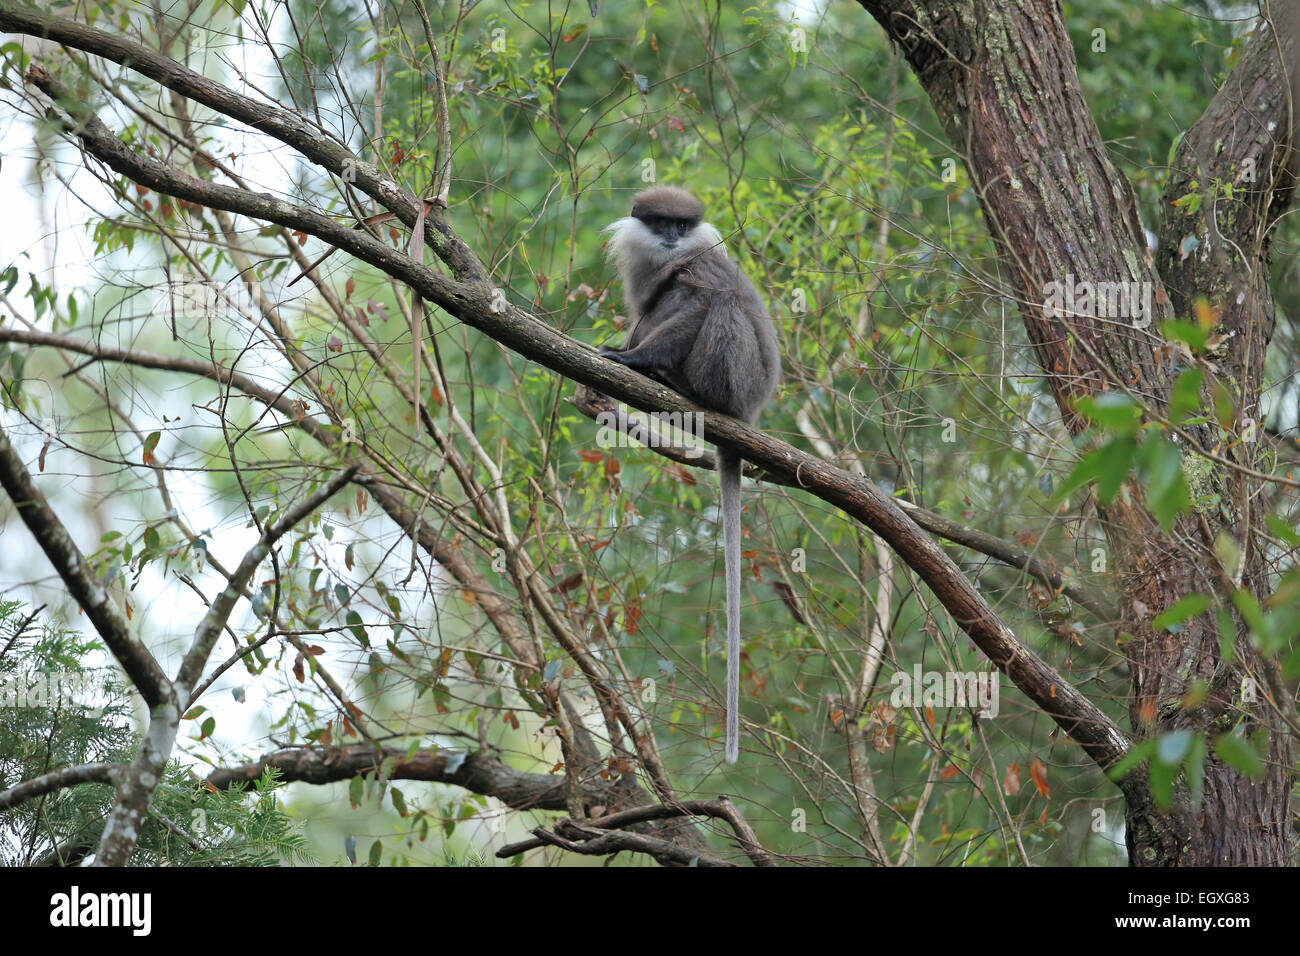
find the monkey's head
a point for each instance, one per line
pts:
(664, 224)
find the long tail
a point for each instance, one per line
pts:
(729, 477)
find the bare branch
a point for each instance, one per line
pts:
(209, 629)
(58, 780)
(71, 566)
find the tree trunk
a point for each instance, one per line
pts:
(1002, 78)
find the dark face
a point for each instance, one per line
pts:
(669, 229)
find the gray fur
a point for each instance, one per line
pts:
(700, 328)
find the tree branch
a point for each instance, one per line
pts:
(209, 629)
(57, 780)
(478, 774)
(722, 809)
(69, 563)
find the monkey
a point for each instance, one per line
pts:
(700, 328)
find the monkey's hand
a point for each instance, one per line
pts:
(647, 365)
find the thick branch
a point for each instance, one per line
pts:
(289, 128)
(57, 780)
(1003, 82)
(522, 791)
(582, 838)
(593, 404)
(722, 809)
(69, 563)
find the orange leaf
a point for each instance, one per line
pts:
(949, 772)
(1038, 773)
(1147, 712)
(1011, 782)
(678, 473)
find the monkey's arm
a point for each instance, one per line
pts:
(661, 352)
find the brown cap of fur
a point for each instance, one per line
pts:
(667, 201)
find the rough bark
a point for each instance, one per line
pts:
(1003, 80)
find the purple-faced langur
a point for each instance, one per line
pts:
(700, 328)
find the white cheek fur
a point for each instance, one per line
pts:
(702, 237)
(631, 238)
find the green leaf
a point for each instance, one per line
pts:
(1250, 612)
(1160, 464)
(1162, 783)
(1227, 635)
(1181, 330)
(1181, 610)
(1282, 530)
(1185, 397)
(358, 631)
(1137, 753)
(1107, 466)
(1236, 752)
(1291, 666)
(1116, 463)
(1111, 410)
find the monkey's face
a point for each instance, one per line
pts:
(668, 230)
(658, 238)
